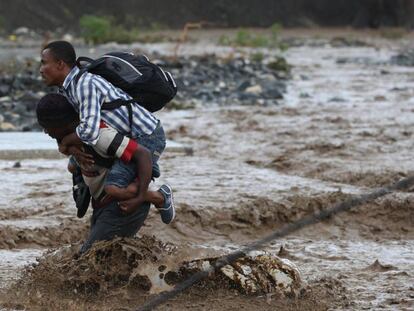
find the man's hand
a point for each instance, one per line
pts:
(63, 149)
(84, 159)
(131, 205)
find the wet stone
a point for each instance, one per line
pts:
(337, 100)
(405, 58)
(208, 79)
(4, 89)
(216, 81)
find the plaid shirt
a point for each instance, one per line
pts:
(87, 96)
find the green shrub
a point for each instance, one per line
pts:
(224, 40)
(101, 29)
(275, 30)
(243, 38)
(247, 38)
(279, 64)
(121, 35)
(257, 57)
(156, 26)
(95, 29)
(260, 41)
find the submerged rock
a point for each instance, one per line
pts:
(257, 273)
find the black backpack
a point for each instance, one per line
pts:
(148, 85)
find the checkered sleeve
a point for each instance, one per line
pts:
(90, 97)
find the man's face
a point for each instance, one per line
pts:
(51, 69)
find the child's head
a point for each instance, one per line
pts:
(56, 115)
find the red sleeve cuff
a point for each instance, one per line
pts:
(129, 151)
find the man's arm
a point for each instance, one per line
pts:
(143, 161)
(90, 98)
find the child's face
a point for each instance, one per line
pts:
(59, 132)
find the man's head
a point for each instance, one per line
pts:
(57, 60)
(56, 115)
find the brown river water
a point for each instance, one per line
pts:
(343, 129)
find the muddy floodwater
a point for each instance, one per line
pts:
(345, 127)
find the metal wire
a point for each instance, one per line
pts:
(284, 231)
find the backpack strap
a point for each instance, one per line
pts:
(113, 104)
(83, 59)
(91, 63)
(79, 74)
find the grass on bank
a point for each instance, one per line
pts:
(393, 33)
(103, 29)
(246, 38)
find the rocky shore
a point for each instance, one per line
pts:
(201, 80)
(252, 77)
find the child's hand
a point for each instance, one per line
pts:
(71, 139)
(131, 205)
(133, 188)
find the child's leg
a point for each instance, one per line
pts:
(155, 143)
(155, 197)
(121, 184)
(121, 194)
(120, 176)
(162, 199)
(131, 191)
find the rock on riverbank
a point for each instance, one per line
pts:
(201, 80)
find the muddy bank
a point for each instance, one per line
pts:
(124, 273)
